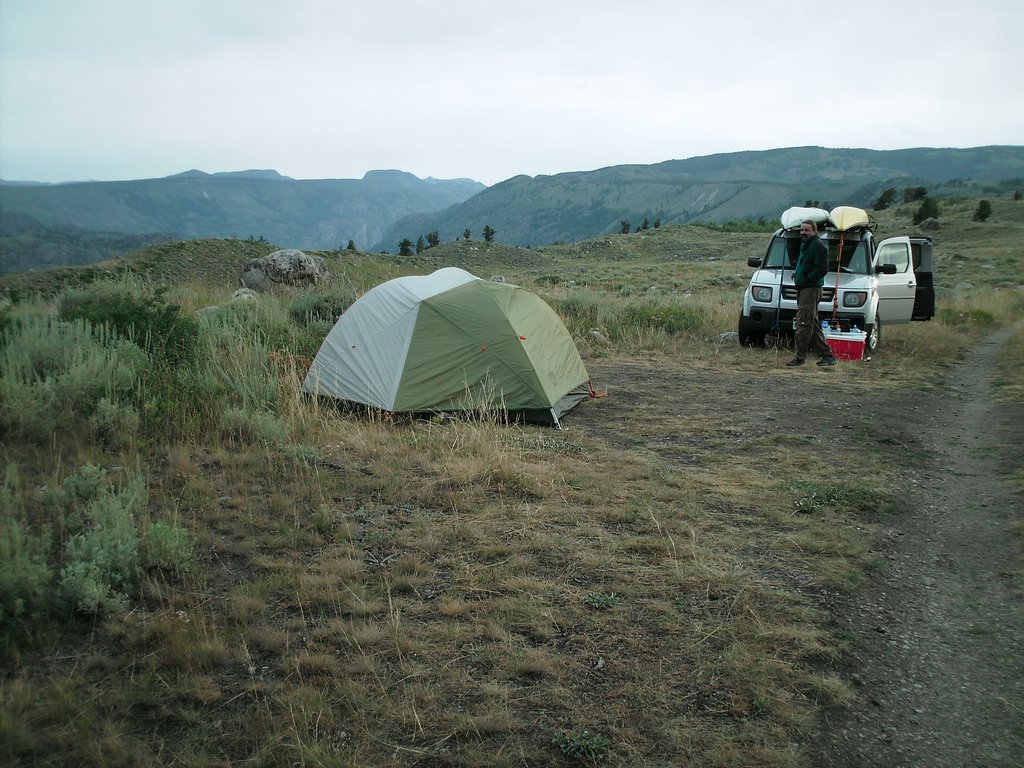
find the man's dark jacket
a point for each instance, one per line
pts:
(811, 264)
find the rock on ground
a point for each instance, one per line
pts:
(286, 267)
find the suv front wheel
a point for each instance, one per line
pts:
(747, 337)
(874, 338)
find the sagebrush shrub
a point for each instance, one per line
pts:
(102, 560)
(323, 306)
(79, 489)
(113, 424)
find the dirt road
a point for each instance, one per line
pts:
(936, 634)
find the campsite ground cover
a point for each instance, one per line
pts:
(927, 634)
(665, 582)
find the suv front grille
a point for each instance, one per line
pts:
(789, 292)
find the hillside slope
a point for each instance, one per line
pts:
(314, 213)
(571, 206)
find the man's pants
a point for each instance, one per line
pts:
(809, 337)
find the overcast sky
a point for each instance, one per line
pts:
(125, 89)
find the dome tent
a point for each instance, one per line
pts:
(450, 341)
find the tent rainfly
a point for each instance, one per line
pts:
(450, 341)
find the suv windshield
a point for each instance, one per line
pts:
(784, 250)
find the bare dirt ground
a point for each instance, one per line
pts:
(934, 636)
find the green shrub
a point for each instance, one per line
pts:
(929, 210)
(153, 324)
(324, 306)
(79, 490)
(95, 529)
(113, 424)
(24, 573)
(601, 601)
(581, 746)
(102, 561)
(56, 372)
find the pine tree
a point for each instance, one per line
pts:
(912, 194)
(929, 210)
(887, 198)
(489, 233)
(983, 211)
(405, 247)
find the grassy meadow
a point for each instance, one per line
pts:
(201, 566)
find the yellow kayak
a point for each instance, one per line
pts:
(847, 217)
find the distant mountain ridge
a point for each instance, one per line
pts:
(311, 214)
(43, 225)
(572, 206)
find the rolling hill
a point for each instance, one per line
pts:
(570, 206)
(316, 213)
(44, 226)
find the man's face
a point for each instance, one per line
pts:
(806, 231)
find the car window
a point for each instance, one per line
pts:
(855, 256)
(895, 253)
(783, 252)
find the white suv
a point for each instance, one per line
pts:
(886, 281)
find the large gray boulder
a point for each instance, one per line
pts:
(287, 267)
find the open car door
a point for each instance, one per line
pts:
(897, 283)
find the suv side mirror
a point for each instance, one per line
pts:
(753, 261)
(885, 269)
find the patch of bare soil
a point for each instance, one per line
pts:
(935, 635)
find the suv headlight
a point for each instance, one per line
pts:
(762, 293)
(854, 298)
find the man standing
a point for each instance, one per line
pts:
(809, 277)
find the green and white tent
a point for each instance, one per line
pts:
(450, 341)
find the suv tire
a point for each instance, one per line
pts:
(874, 338)
(747, 337)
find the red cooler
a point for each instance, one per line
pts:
(846, 346)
